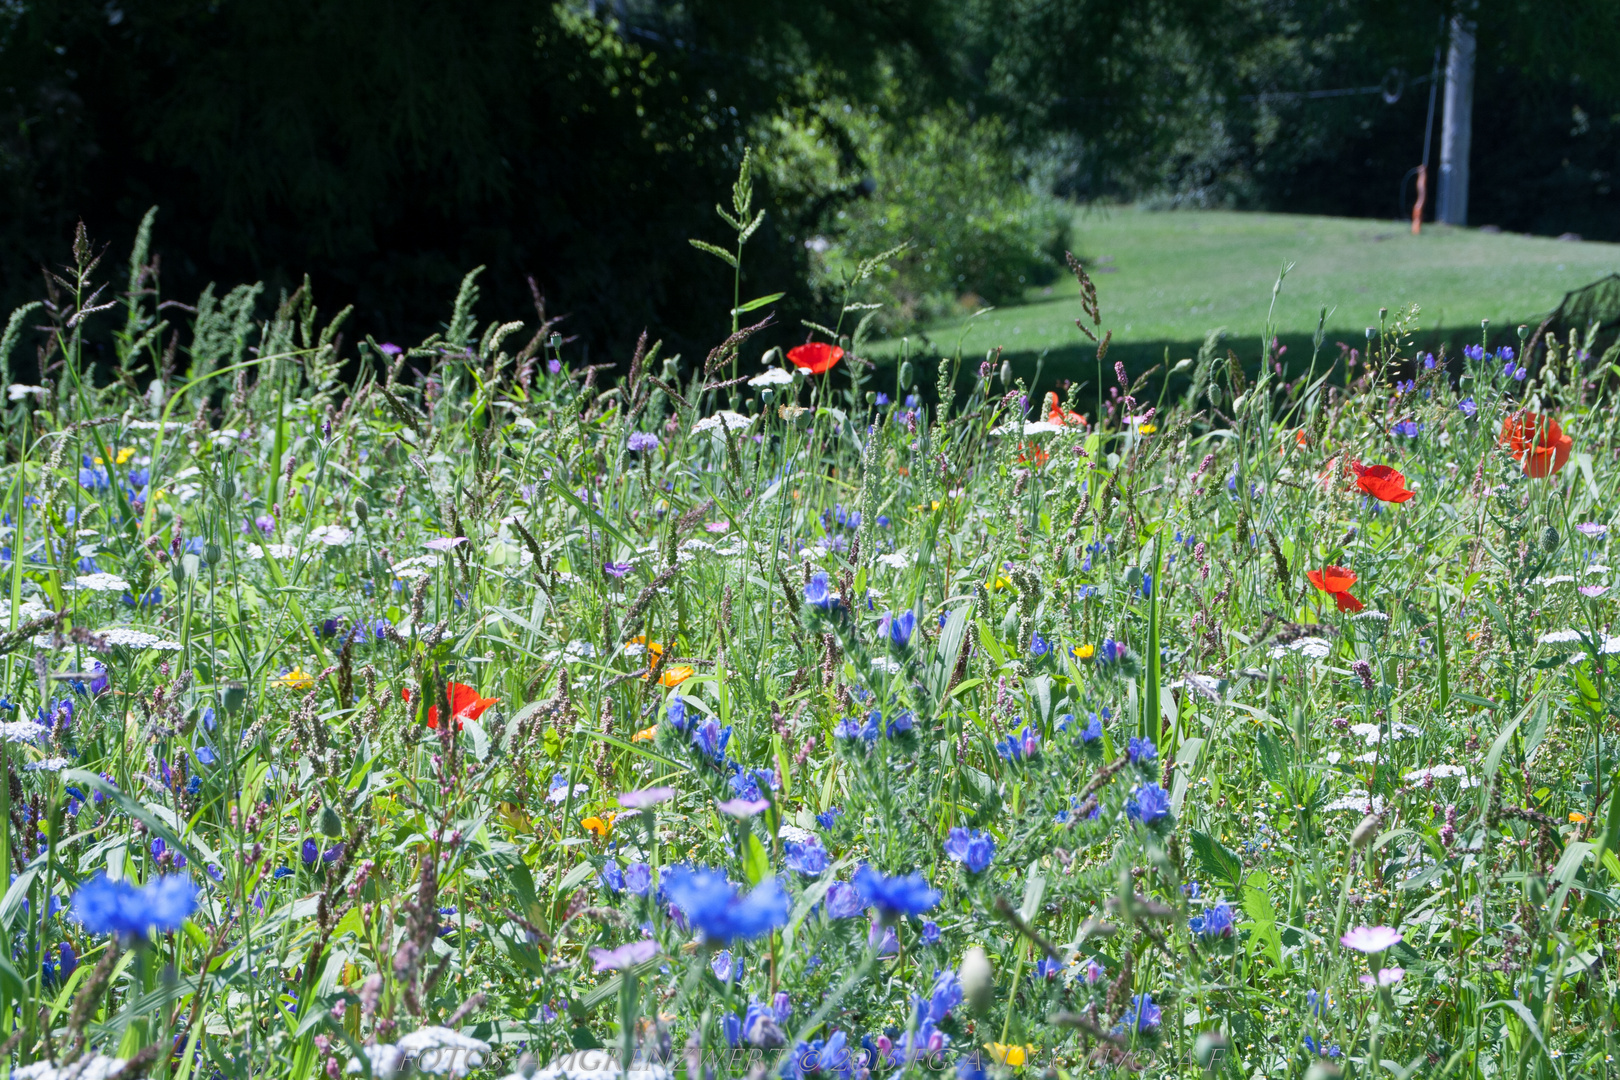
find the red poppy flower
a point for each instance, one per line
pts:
(1381, 482)
(1538, 443)
(1057, 414)
(1034, 454)
(815, 357)
(1336, 582)
(465, 704)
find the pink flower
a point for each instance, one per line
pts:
(640, 800)
(1593, 591)
(1386, 977)
(444, 543)
(717, 526)
(625, 956)
(742, 808)
(1371, 939)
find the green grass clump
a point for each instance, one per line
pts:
(475, 709)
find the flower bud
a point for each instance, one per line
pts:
(978, 980)
(906, 374)
(1365, 832)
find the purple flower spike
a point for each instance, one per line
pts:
(641, 800)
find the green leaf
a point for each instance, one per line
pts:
(1257, 905)
(755, 863)
(576, 877)
(719, 253)
(1034, 891)
(757, 303)
(1493, 761)
(1219, 861)
(1273, 759)
(949, 649)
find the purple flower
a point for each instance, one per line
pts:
(1371, 939)
(895, 896)
(625, 956)
(713, 907)
(806, 857)
(310, 852)
(742, 808)
(388, 348)
(817, 595)
(1143, 1015)
(553, 366)
(617, 569)
(1385, 977)
(899, 628)
(1149, 803)
(1593, 591)
(973, 848)
(725, 967)
(843, 901)
(710, 739)
(638, 879)
(104, 906)
(930, 932)
(829, 817)
(1593, 530)
(444, 543)
(1048, 969)
(613, 877)
(1142, 750)
(1214, 922)
(642, 440)
(1467, 407)
(1408, 428)
(641, 800)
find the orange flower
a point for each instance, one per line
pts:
(1336, 582)
(815, 357)
(676, 675)
(599, 826)
(646, 734)
(1538, 443)
(1381, 482)
(1034, 454)
(1057, 414)
(465, 704)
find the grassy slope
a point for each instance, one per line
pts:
(1175, 276)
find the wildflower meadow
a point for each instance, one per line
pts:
(461, 708)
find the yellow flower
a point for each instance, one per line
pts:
(1577, 817)
(1148, 429)
(1013, 1056)
(124, 454)
(296, 679)
(1083, 652)
(676, 675)
(594, 824)
(645, 734)
(1001, 582)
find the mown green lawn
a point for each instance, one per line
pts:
(1166, 279)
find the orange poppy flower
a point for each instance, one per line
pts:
(1034, 454)
(465, 704)
(676, 675)
(646, 734)
(599, 826)
(1381, 482)
(1057, 414)
(815, 357)
(1538, 443)
(1336, 582)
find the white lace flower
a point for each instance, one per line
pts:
(277, 551)
(794, 834)
(55, 764)
(93, 1067)
(20, 731)
(1555, 579)
(1359, 801)
(1313, 648)
(1416, 777)
(1560, 637)
(130, 638)
(884, 664)
(733, 422)
(895, 560)
(772, 376)
(102, 582)
(330, 535)
(598, 1065)
(416, 566)
(439, 1051)
(18, 391)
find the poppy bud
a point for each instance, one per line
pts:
(978, 980)
(1006, 373)
(905, 374)
(330, 824)
(772, 357)
(213, 554)
(1215, 395)
(361, 511)
(1549, 538)
(1365, 832)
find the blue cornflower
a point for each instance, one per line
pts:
(1467, 407)
(900, 628)
(1147, 586)
(943, 996)
(1149, 803)
(712, 906)
(67, 962)
(726, 967)
(104, 906)
(1048, 968)
(828, 817)
(1142, 750)
(675, 713)
(806, 857)
(1214, 922)
(882, 399)
(1086, 592)
(1322, 1048)
(973, 848)
(902, 723)
(1093, 729)
(817, 595)
(895, 896)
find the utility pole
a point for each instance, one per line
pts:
(1457, 134)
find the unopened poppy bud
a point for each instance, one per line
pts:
(1365, 832)
(1549, 539)
(1006, 373)
(905, 374)
(361, 511)
(978, 980)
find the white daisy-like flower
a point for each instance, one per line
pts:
(277, 551)
(54, 764)
(1359, 801)
(330, 535)
(102, 582)
(20, 731)
(772, 376)
(733, 422)
(1334, 757)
